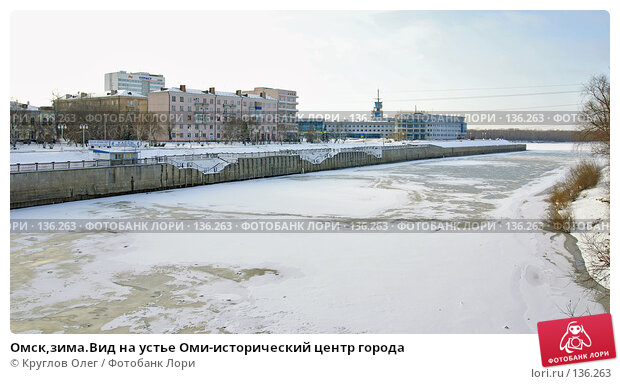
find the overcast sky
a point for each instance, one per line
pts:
(334, 60)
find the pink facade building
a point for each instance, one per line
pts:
(287, 109)
(197, 115)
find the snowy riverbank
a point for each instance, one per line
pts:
(593, 204)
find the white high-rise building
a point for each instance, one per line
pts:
(136, 82)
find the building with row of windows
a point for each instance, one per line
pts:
(371, 129)
(405, 125)
(210, 115)
(425, 126)
(135, 82)
(119, 115)
(286, 112)
(138, 106)
(189, 127)
(30, 123)
(375, 128)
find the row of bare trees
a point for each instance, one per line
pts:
(527, 134)
(246, 131)
(79, 124)
(76, 126)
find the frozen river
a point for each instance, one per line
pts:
(310, 282)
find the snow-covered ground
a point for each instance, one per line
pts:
(584, 148)
(35, 153)
(593, 204)
(310, 282)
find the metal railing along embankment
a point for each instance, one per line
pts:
(189, 160)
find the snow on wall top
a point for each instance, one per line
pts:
(31, 153)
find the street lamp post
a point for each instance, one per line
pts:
(62, 134)
(83, 127)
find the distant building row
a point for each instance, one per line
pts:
(175, 114)
(405, 125)
(201, 114)
(138, 106)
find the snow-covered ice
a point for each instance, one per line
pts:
(310, 282)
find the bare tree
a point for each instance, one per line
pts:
(228, 130)
(170, 124)
(57, 120)
(47, 123)
(254, 133)
(236, 129)
(310, 135)
(596, 248)
(149, 127)
(595, 112)
(527, 134)
(16, 123)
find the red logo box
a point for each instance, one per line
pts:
(575, 340)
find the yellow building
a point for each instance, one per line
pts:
(114, 115)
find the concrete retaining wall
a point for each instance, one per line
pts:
(48, 187)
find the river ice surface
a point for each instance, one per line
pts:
(435, 282)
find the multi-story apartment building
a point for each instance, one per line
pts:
(30, 123)
(110, 115)
(287, 109)
(424, 126)
(210, 115)
(136, 82)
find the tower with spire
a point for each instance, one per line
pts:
(377, 112)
